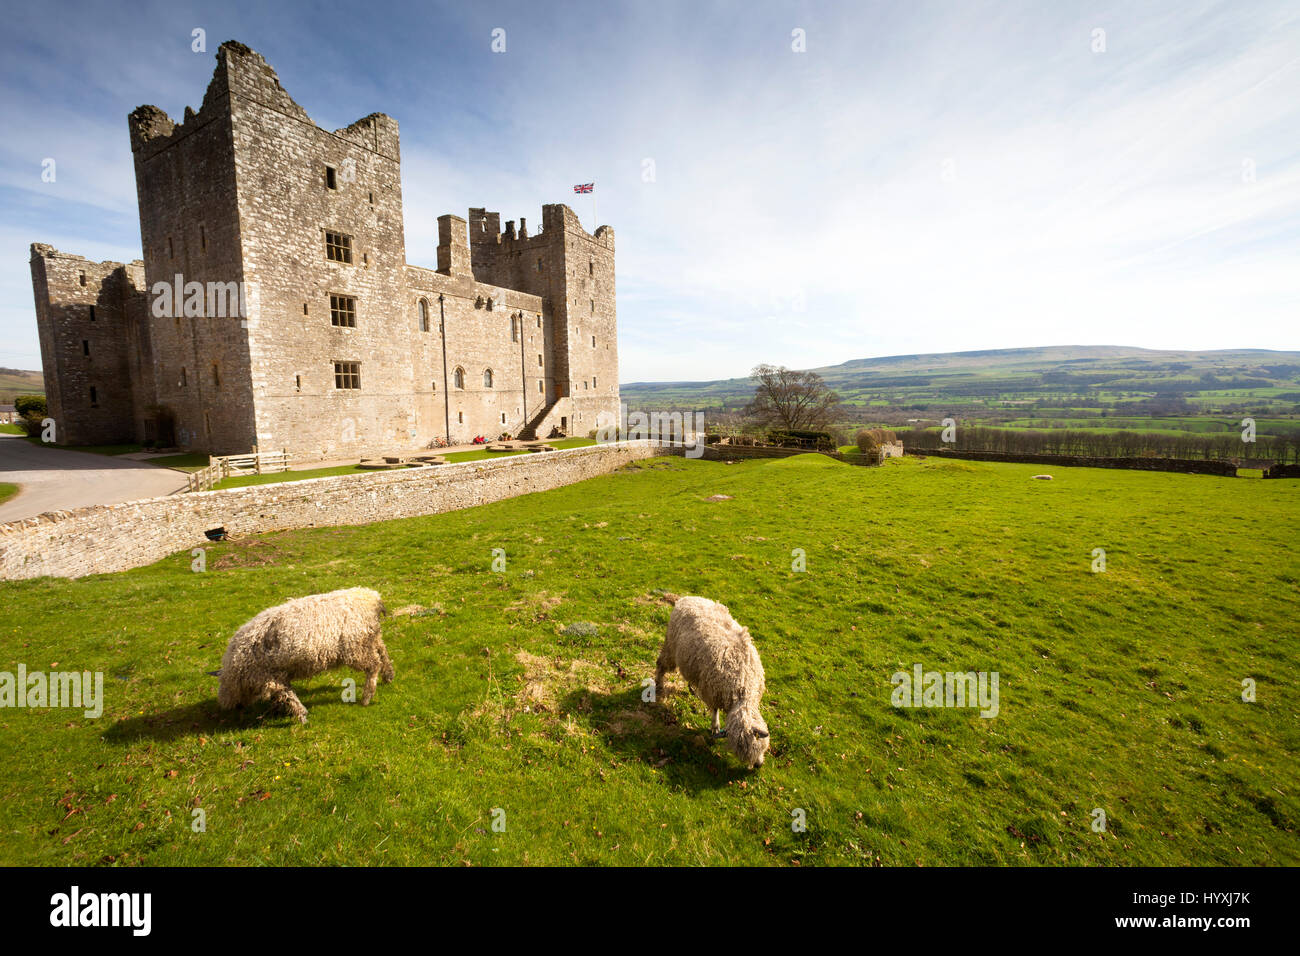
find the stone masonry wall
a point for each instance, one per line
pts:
(88, 316)
(130, 535)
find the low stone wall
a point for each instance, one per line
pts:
(71, 544)
(1283, 471)
(1190, 466)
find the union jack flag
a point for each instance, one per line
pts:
(584, 188)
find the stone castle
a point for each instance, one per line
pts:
(274, 306)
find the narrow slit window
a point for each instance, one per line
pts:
(85, 347)
(331, 181)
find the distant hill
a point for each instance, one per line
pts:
(1097, 374)
(15, 381)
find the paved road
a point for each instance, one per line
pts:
(55, 479)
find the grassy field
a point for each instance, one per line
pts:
(7, 491)
(8, 429)
(520, 691)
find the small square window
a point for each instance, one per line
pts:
(338, 247)
(343, 311)
(330, 180)
(83, 278)
(347, 374)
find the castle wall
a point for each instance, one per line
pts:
(503, 339)
(87, 314)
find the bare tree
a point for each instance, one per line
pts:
(798, 400)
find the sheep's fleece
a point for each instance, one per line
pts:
(719, 661)
(302, 638)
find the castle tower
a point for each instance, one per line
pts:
(91, 322)
(573, 272)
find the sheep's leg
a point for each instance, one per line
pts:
(385, 664)
(372, 679)
(717, 725)
(662, 667)
(282, 695)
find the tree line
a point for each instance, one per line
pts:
(1106, 444)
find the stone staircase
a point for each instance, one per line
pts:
(529, 431)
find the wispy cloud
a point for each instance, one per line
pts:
(925, 177)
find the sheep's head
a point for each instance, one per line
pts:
(748, 737)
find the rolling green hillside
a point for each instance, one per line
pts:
(18, 382)
(1087, 386)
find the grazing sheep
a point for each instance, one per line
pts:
(720, 663)
(302, 638)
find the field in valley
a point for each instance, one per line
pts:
(521, 691)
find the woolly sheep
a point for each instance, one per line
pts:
(720, 663)
(301, 638)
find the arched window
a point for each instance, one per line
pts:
(487, 378)
(458, 378)
(424, 316)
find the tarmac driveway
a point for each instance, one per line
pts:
(56, 479)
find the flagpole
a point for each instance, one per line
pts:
(594, 223)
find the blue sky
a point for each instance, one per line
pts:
(924, 177)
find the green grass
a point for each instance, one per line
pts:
(8, 429)
(7, 491)
(1119, 691)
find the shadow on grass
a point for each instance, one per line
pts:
(206, 717)
(684, 754)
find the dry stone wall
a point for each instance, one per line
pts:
(117, 537)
